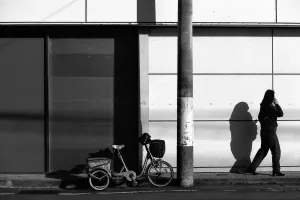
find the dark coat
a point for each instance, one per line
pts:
(268, 116)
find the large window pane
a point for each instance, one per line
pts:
(215, 96)
(212, 142)
(286, 50)
(215, 50)
(22, 105)
(80, 99)
(227, 144)
(288, 11)
(285, 87)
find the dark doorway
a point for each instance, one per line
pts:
(93, 94)
(81, 84)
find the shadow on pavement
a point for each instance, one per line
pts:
(76, 178)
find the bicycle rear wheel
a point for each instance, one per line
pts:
(160, 173)
(99, 179)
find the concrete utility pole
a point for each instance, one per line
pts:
(185, 108)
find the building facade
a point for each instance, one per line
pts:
(80, 75)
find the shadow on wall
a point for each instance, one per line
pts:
(243, 132)
(146, 11)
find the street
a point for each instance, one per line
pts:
(168, 193)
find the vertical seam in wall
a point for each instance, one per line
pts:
(276, 11)
(46, 103)
(145, 62)
(143, 36)
(85, 10)
(272, 58)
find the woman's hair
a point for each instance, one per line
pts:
(268, 98)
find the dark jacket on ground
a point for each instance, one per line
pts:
(268, 116)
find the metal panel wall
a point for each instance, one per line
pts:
(42, 11)
(286, 50)
(232, 70)
(234, 50)
(289, 138)
(216, 50)
(286, 71)
(166, 10)
(288, 11)
(21, 104)
(112, 11)
(144, 11)
(214, 95)
(215, 146)
(220, 11)
(234, 11)
(81, 99)
(166, 46)
(212, 142)
(286, 87)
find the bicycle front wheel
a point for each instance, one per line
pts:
(160, 173)
(99, 179)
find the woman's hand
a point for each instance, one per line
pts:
(275, 101)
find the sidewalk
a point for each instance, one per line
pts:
(46, 181)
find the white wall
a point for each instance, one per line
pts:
(220, 10)
(288, 11)
(286, 51)
(42, 10)
(129, 11)
(212, 144)
(112, 11)
(286, 66)
(68, 11)
(231, 65)
(214, 51)
(240, 50)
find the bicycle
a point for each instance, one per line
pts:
(158, 172)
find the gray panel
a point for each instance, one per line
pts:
(146, 11)
(81, 100)
(21, 144)
(103, 46)
(72, 140)
(22, 105)
(82, 65)
(83, 89)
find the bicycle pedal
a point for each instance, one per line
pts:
(135, 183)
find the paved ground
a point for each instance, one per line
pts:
(206, 192)
(80, 181)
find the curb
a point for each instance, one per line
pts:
(41, 181)
(30, 184)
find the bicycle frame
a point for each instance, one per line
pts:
(127, 172)
(145, 163)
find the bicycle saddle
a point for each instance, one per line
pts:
(118, 147)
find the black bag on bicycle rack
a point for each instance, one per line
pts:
(157, 148)
(145, 139)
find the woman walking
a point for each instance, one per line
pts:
(269, 111)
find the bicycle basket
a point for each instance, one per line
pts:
(145, 139)
(157, 148)
(99, 162)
